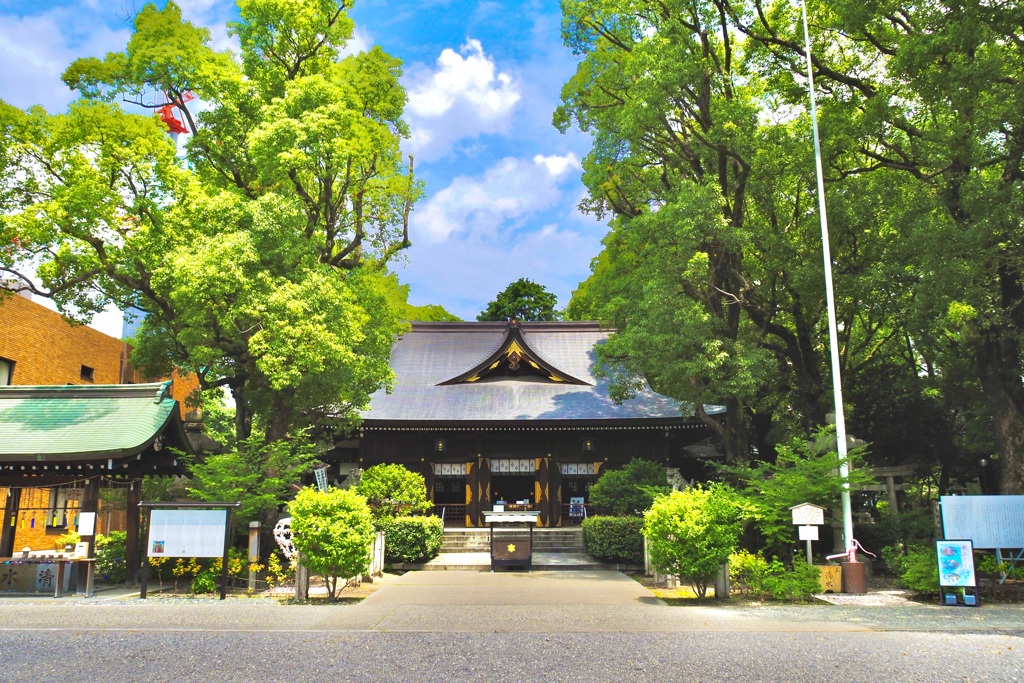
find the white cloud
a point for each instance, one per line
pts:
(361, 41)
(511, 190)
(37, 49)
(558, 165)
(464, 97)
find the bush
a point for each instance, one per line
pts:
(798, 583)
(203, 574)
(71, 538)
(110, 551)
(615, 539)
(747, 572)
(917, 568)
(756, 577)
(691, 533)
(333, 531)
(393, 490)
(631, 490)
(411, 539)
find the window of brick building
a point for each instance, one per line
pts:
(87, 373)
(6, 371)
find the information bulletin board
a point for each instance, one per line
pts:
(187, 533)
(990, 521)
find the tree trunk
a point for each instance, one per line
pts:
(999, 368)
(243, 416)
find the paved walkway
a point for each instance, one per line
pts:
(501, 602)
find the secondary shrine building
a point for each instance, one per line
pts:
(491, 412)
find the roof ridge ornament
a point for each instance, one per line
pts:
(514, 351)
(164, 391)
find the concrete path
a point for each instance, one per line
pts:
(501, 602)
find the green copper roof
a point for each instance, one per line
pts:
(82, 422)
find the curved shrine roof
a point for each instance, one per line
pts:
(460, 372)
(75, 422)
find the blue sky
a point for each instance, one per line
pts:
(483, 80)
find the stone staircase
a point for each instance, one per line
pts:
(553, 540)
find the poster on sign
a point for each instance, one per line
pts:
(187, 533)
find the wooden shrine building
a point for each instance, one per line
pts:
(69, 441)
(513, 412)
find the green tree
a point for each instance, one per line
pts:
(261, 263)
(691, 533)
(523, 300)
(333, 532)
(393, 490)
(712, 271)
(931, 92)
(803, 472)
(259, 475)
(398, 297)
(630, 490)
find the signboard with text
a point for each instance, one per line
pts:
(989, 521)
(187, 533)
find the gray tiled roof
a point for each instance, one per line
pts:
(432, 353)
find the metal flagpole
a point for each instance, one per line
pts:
(833, 335)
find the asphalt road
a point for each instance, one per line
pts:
(477, 626)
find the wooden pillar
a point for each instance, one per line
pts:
(9, 523)
(132, 556)
(90, 503)
(541, 486)
(555, 492)
(478, 491)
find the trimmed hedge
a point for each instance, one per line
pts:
(615, 539)
(411, 539)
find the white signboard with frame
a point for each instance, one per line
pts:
(187, 533)
(989, 521)
(808, 514)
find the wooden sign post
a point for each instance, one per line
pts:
(808, 517)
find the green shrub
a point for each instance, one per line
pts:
(756, 577)
(631, 490)
(333, 532)
(392, 490)
(798, 583)
(203, 582)
(916, 568)
(691, 533)
(615, 539)
(411, 539)
(747, 572)
(110, 552)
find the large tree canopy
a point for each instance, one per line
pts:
(523, 299)
(712, 270)
(260, 260)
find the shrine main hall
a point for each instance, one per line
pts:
(513, 412)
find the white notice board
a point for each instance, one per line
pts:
(989, 521)
(187, 533)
